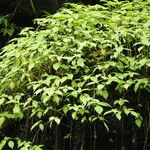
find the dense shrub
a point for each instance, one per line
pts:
(87, 64)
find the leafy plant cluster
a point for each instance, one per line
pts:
(86, 63)
(17, 144)
(6, 28)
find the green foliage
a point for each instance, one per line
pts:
(82, 62)
(6, 28)
(15, 143)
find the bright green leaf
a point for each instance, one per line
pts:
(11, 144)
(98, 109)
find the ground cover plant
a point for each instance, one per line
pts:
(81, 74)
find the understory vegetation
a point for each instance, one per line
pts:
(80, 77)
(7, 30)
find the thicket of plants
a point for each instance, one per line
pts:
(82, 73)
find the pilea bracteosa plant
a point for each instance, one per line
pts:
(81, 68)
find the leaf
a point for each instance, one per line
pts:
(3, 142)
(118, 116)
(83, 99)
(120, 102)
(103, 51)
(73, 84)
(57, 82)
(105, 94)
(56, 99)
(2, 120)
(38, 91)
(74, 114)
(18, 97)
(145, 40)
(104, 104)
(94, 79)
(31, 65)
(12, 85)
(138, 122)
(80, 62)
(68, 136)
(126, 86)
(63, 79)
(35, 124)
(57, 120)
(106, 126)
(134, 114)
(118, 51)
(100, 86)
(41, 126)
(2, 100)
(39, 114)
(137, 86)
(16, 109)
(35, 104)
(83, 119)
(70, 76)
(11, 144)
(126, 111)
(98, 109)
(24, 148)
(81, 111)
(56, 66)
(65, 109)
